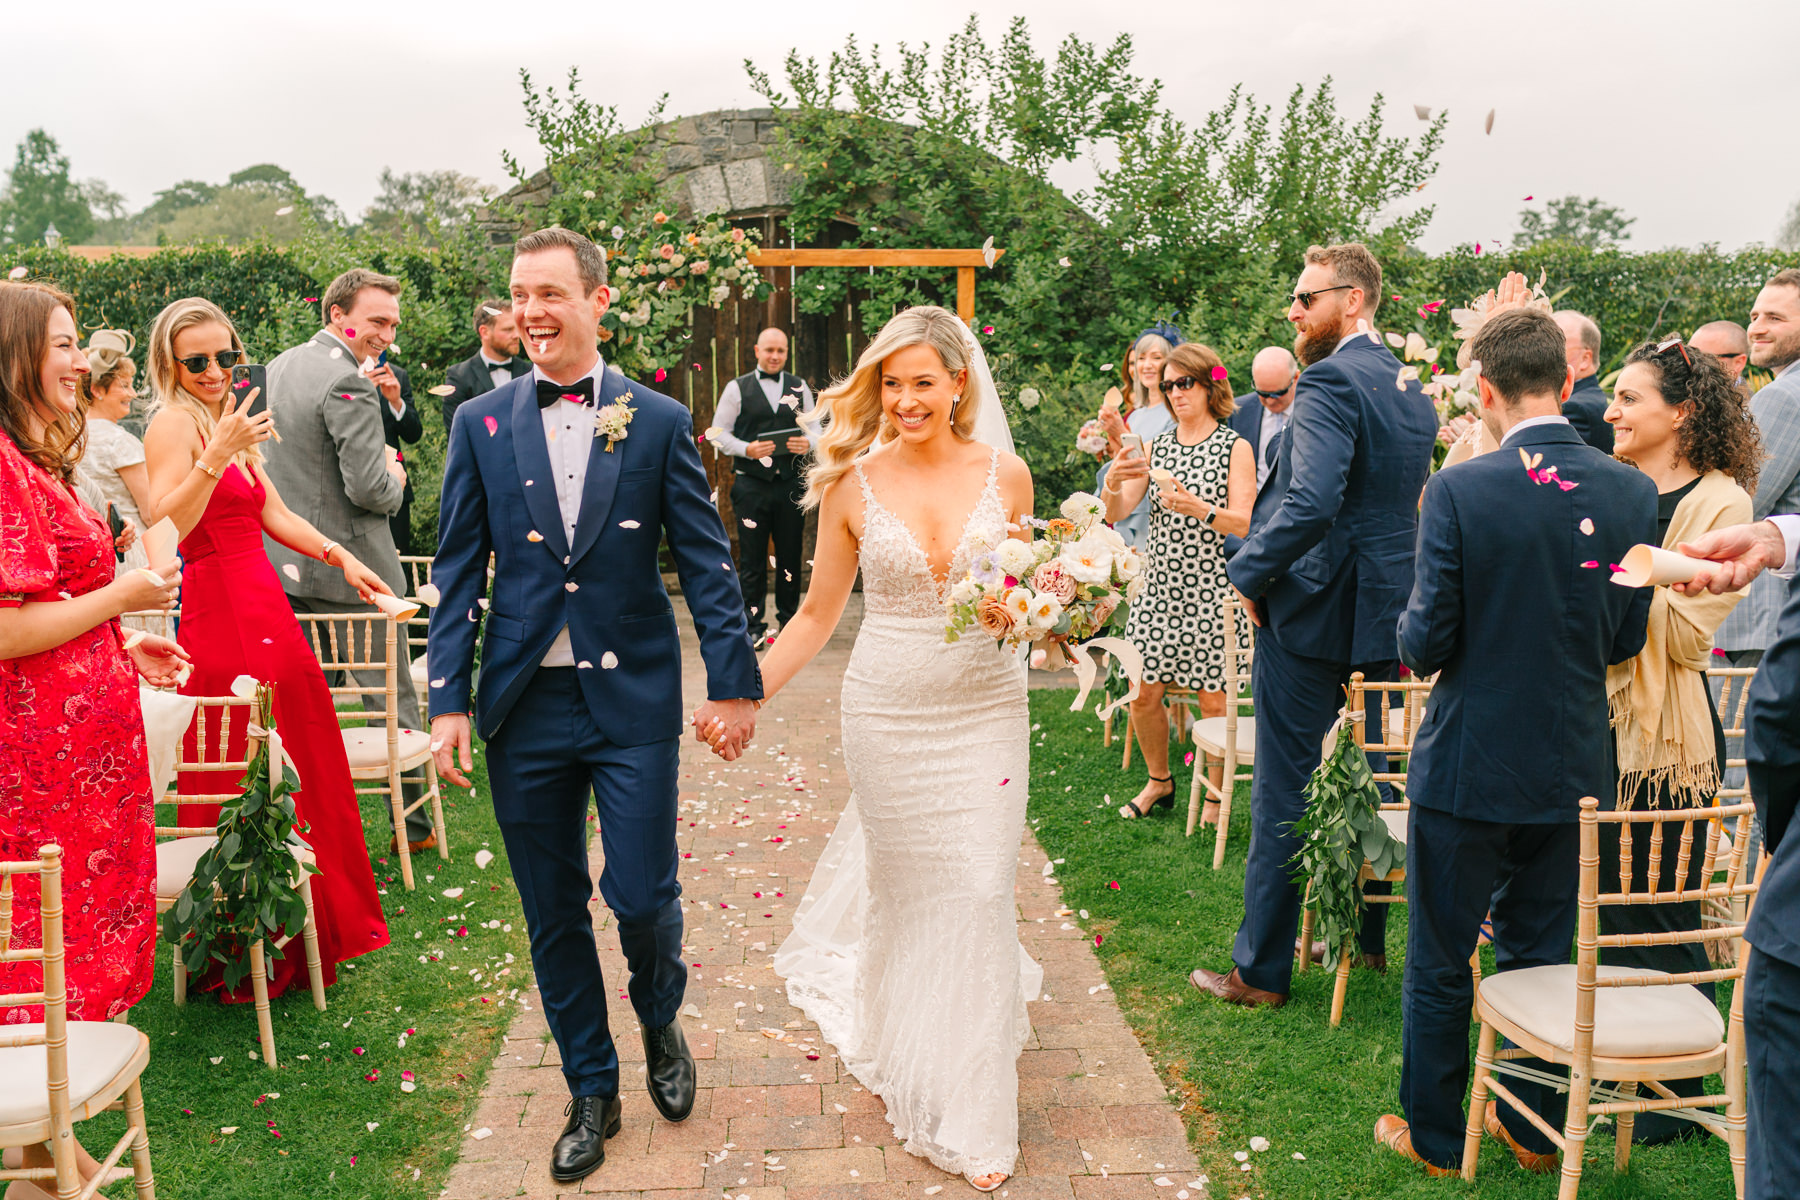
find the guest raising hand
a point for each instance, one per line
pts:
(1206, 484)
(206, 476)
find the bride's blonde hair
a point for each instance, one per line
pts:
(853, 405)
(164, 380)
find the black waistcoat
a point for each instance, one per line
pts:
(756, 418)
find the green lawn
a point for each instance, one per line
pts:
(321, 1104)
(1286, 1074)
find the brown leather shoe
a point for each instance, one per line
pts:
(1394, 1133)
(1234, 990)
(430, 843)
(1530, 1160)
(1368, 962)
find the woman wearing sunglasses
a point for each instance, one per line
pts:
(206, 476)
(1206, 495)
(1677, 418)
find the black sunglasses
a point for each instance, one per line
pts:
(1185, 383)
(227, 359)
(1277, 394)
(1306, 298)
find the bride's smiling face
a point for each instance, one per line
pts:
(918, 392)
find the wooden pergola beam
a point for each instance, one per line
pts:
(965, 262)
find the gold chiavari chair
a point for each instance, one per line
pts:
(179, 847)
(1230, 738)
(56, 1073)
(381, 753)
(1632, 1025)
(1731, 702)
(417, 569)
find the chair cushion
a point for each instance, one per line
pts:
(98, 1051)
(367, 746)
(175, 863)
(1209, 734)
(421, 677)
(1629, 1022)
(1395, 820)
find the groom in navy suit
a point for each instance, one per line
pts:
(1511, 590)
(572, 476)
(1326, 568)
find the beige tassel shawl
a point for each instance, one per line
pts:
(1661, 711)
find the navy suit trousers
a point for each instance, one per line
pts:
(1297, 699)
(1772, 1052)
(542, 763)
(1456, 870)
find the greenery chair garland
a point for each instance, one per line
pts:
(1341, 829)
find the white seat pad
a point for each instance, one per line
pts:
(98, 1051)
(1210, 732)
(420, 676)
(1629, 1022)
(175, 863)
(367, 746)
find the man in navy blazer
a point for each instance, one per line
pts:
(1772, 752)
(1273, 375)
(1514, 609)
(1326, 568)
(572, 477)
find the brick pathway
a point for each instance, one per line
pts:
(777, 1117)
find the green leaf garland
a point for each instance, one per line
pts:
(1342, 828)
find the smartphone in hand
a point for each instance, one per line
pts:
(1132, 443)
(247, 378)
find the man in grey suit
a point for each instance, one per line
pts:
(1774, 346)
(332, 467)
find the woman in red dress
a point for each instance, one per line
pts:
(72, 759)
(206, 477)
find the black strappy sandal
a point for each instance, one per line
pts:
(1129, 811)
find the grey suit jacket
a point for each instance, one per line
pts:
(330, 466)
(1751, 625)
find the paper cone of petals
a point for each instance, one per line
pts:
(1650, 566)
(396, 607)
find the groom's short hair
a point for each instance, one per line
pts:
(590, 260)
(1521, 354)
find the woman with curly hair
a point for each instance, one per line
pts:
(1677, 418)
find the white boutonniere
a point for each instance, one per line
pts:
(612, 422)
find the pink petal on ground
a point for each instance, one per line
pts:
(1006, 781)
(1113, 884)
(1099, 938)
(1188, 759)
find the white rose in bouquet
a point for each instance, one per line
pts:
(964, 591)
(1129, 563)
(1017, 558)
(1090, 561)
(1083, 508)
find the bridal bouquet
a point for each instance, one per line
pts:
(1064, 589)
(1091, 440)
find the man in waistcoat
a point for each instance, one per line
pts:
(759, 421)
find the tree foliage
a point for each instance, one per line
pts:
(1591, 223)
(40, 193)
(426, 203)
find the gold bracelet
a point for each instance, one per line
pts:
(209, 470)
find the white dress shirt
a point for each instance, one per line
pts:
(499, 372)
(1272, 424)
(1789, 525)
(731, 404)
(1528, 422)
(569, 437)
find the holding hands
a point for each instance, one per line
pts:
(726, 725)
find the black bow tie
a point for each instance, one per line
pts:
(762, 374)
(492, 365)
(581, 392)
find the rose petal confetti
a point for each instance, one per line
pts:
(18, 272)
(987, 252)
(608, 661)
(628, 524)
(483, 858)
(291, 571)
(534, 536)
(429, 595)
(493, 426)
(1591, 564)
(482, 1134)
(1587, 526)
(453, 893)
(1259, 1144)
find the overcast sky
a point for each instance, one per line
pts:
(1658, 107)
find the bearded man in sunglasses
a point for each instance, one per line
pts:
(1326, 569)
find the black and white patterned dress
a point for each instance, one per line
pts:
(1175, 624)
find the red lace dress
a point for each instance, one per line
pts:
(235, 620)
(72, 760)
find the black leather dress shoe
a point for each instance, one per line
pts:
(582, 1147)
(669, 1071)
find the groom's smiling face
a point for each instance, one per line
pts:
(558, 320)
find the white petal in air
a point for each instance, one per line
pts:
(244, 687)
(608, 661)
(585, 665)
(1422, 111)
(337, 352)
(628, 524)
(987, 252)
(748, 523)
(284, 210)
(571, 586)
(765, 460)
(1587, 526)
(443, 389)
(534, 536)
(428, 595)
(1488, 127)
(291, 571)
(137, 635)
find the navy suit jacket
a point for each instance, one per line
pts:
(1516, 729)
(1772, 755)
(607, 587)
(1586, 409)
(1248, 418)
(1331, 536)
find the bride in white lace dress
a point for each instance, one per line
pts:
(905, 949)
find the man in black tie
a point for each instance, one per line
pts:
(1273, 373)
(1587, 404)
(497, 363)
(398, 429)
(758, 423)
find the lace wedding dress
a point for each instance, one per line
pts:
(905, 949)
